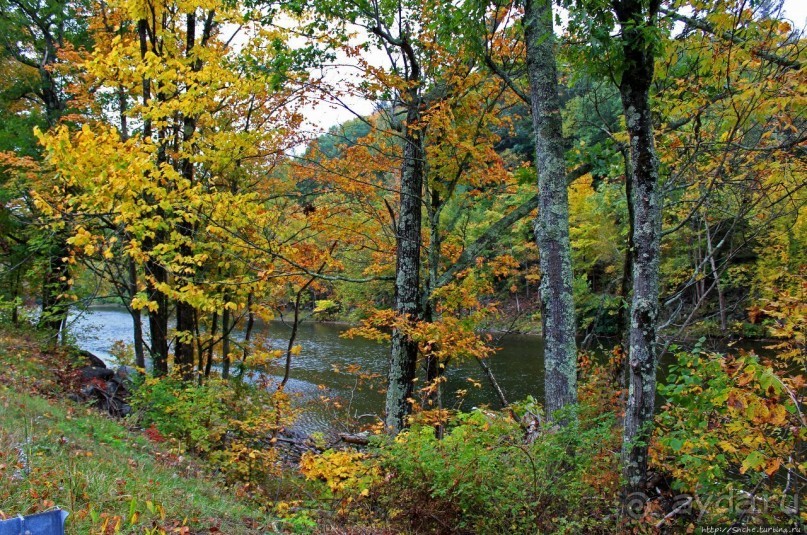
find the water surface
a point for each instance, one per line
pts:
(325, 384)
(321, 370)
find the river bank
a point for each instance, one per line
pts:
(334, 376)
(339, 379)
(108, 476)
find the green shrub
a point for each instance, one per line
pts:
(731, 427)
(192, 415)
(482, 477)
(231, 424)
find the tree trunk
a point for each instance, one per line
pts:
(137, 329)
(404, 352)
(721, 300)
(494, 384)
(292, 337)
(552, 226)
(247, 335)
(634, 89)
(158, 319)
(15, 311)
(156, 274)
(137, 318)
(627, 265)
(434, 370)
(211, 347)
(225, 342)
(55, 286)
(131, 266)
(183, 351)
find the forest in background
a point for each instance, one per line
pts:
(637, 178)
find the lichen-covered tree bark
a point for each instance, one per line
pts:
(637, 76)
(404, 352)
(552, 225)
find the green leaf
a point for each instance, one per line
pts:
(754, 461)
(675, 444)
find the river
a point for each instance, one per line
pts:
(320, 370)
(320, 374)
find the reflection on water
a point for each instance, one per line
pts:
(320, 370)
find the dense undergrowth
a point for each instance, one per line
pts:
(728, 451)
(205, 459)
(481, 477)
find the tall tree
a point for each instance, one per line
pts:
(716, 118)
(638, 43)
(394, 26)
(552, 225)
(32, 34)
(444, 107)
(404, 350)
(194, 176)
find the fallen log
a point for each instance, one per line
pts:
(95, 361)
(360, 439)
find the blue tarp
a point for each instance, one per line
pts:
(50, 523)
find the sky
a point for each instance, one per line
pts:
(324, 115)
(796, 10)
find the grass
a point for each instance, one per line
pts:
(54, 452)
